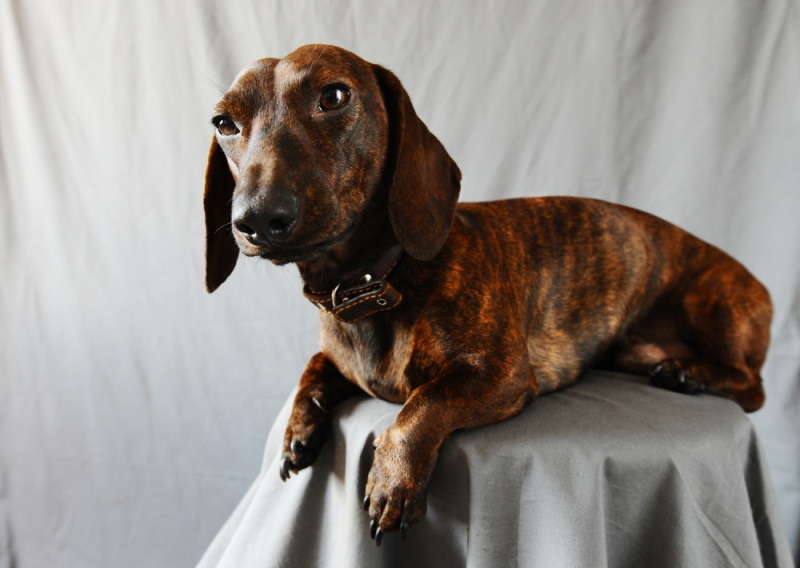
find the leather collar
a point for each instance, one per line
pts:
(368, 296)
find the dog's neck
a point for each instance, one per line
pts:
(365, 252)
(332, 271)
(361, 253)
(351, 280)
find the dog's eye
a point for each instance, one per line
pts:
(225, 125)
(334, 97)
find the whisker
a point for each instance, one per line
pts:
(321, 51)
(212, 82)
(225, 226)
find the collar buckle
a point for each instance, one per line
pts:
(364, 299)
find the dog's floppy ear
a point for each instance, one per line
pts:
(221, 249)
(425, 181)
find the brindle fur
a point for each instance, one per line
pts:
(502, 301)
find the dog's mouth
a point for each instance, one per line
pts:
(280, 257)
(284, 254)
(280, 254)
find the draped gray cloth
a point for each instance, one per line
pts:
(612, 472)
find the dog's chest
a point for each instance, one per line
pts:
(371, 355)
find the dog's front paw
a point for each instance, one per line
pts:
(306, 432)
(396, 493)
(672, 375)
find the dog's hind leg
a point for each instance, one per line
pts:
(728, 314)
(711, 338)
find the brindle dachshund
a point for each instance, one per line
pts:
(463, 313)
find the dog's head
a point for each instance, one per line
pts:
(302, 145)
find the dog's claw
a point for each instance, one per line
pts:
(297, 446)
(285, 469)
(366, 503)
(375, 532)
(671, 377)
(404, 530)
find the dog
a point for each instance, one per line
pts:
(464, 313)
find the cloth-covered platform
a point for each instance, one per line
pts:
(611, 472)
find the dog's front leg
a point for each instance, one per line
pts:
(321, 388)
(406, 452)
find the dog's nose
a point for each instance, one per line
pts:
(269, 221)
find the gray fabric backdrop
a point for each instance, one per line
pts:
(134, 407)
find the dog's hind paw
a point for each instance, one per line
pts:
(670, 375)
